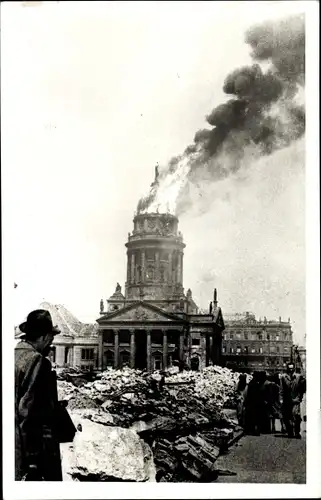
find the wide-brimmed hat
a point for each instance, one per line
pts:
(38, 323)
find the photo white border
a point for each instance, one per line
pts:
(34, 491)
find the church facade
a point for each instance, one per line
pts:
(154, 324)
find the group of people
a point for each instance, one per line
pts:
(269, 397)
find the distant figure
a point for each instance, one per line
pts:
(118, 288)
(271, 409)
(101, 306)
(211, 307)
(241, 390)
(292, 390)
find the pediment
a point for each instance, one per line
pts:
(140, 312)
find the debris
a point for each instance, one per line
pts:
(107, 454)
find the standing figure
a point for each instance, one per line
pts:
(241, 392)
(264, 404)
(253, 406)
(293, 387)
(37, 453)
(272, 399)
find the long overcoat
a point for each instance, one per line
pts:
(35, 399)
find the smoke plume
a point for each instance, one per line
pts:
(263, 113)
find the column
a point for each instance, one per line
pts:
(170, 267)
(132, 268)
(143, 265)
(101, 351)
(157, 266)
(116, 348)
(132, 348)
(181, 267)
(181, 346)
(165, 349)
(149, 351)
(207, 349)
(203, 350)
(178, 279)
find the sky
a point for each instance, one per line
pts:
(93, 95)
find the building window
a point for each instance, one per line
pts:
(157, 362)
(246, 336)
(277, 349)
(196, 341)
(231, 336)
(267, 336)
(66, 355)
(238, 336)
(231, 350)
(238, 349)
(87, 354)
(246, 349)
(277, 337)
(252, 349)
(223, 350)
(260, 336)
(285, 349)
(272, 348)
(261, 350)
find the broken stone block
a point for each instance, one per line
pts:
(104, 453)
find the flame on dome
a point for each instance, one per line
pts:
(163, 194)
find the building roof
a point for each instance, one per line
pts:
(68, 324)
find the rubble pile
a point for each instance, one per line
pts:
(184, 421)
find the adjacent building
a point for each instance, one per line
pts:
(250, 344)
(77, 344)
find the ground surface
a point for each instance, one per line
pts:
(265, 459)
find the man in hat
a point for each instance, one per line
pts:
(37, 453)
(292, 389)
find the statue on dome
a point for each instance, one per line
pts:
(101, 306)
(156, 173)
(118, 288)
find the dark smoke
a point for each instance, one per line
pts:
(262, 110)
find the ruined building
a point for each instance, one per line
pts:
(154, 323)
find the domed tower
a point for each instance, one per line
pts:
(155, 259)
